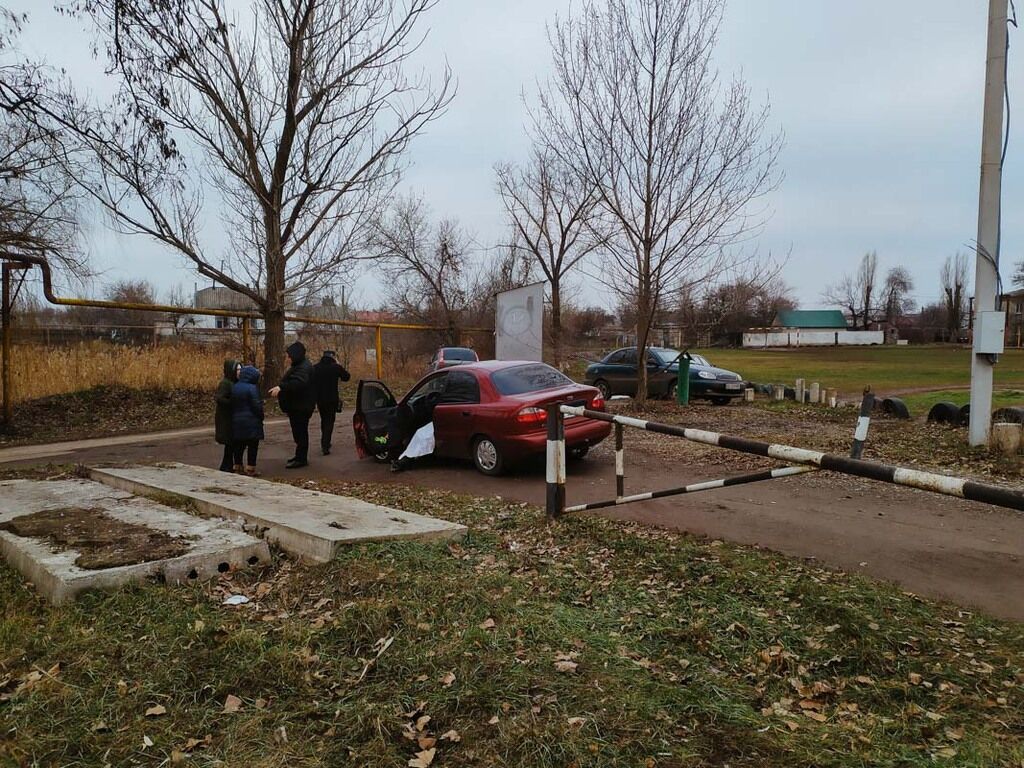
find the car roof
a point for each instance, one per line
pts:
(464, 349)
(498, 365)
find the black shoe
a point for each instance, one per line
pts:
(296, 464)
(326, 451)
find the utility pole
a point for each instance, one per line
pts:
(985, 276)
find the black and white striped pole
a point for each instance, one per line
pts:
(620, 463)
(1000, 496)
(555, 464)
(863, 422)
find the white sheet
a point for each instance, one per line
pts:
(422, 443)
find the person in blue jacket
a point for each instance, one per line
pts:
(247, 419)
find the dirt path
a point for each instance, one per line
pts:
(969, 553)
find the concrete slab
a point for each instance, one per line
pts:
(210, 546)
(302, 522)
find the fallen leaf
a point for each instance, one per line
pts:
(156, 711)
(565, 666)
(817, 716)
(792, 724)
(448, 679)
(451, 735)
(100, 727)
(423, 759)
(488, 624)
(281, 735)
(864, 680)
(955, 733)
(146, 742)
(576, 722)
(423, 626)
(232, 704)
(426, 742)
(421, 722)
(178, 757)
(494, 720)
(122, 688)
(914, 678)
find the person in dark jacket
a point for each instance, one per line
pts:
(297, 398)
(326, 375)
(247, 419)
(222, 417)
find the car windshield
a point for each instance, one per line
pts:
(459, 353)
(528, 378)
(698, 360)
(665, 356)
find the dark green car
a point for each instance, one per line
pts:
(616, 374)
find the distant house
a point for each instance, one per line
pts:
(1012, 304)
(810, 319)
(810, 328)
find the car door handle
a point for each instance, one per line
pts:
(466, 413)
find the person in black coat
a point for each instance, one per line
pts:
(222, 417)
(326, 375)
(297, 398)
(247, 419)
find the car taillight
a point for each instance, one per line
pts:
(597, 404)
(532, 415)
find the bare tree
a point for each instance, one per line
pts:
(896, 300)
(953, 279)
(551, 212)
(676, 160)
(426, 265)
(286, 119)
(38, 204)
(855, 293)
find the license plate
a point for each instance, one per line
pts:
(737, 385)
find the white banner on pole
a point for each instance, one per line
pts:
(519, 325)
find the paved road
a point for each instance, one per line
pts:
(969, 553)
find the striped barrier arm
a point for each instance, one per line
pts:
(999, 496)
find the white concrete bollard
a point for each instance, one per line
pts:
(824, 396)
(815, 388)
(799, 390)
(1006, 438)
(748, 394)
(779, 392)
(832, 397)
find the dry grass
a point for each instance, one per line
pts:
(43, 372)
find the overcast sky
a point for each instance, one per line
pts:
(880, 102)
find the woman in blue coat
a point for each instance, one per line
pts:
(247, 419)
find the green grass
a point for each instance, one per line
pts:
(887, 369)
(920, 402)
(688, 653)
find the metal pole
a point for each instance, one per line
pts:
(380, 354)
(987, 256)
(555, 466)
(5, 318)
(620, 464)
(863, 422)
(683, 381)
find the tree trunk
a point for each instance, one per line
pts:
(273, 347)
(644, 312)
(556, 324)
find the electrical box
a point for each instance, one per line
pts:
(988, 333)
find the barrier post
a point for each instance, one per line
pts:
(683, 381)
(555, 464)
(620, 464)
(863, 422)
(8, 363)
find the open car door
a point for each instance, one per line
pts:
(374, 412)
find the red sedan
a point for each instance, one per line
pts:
(492, 412)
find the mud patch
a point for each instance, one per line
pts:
(102, 540)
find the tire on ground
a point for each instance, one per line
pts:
(945, 412)
(1013, 414)
(893, 406)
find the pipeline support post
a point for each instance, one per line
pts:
(555, 463)
(379, 352)
(863, 422)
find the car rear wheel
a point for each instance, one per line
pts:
(721, 400)
(604, 388)
(487, 457)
